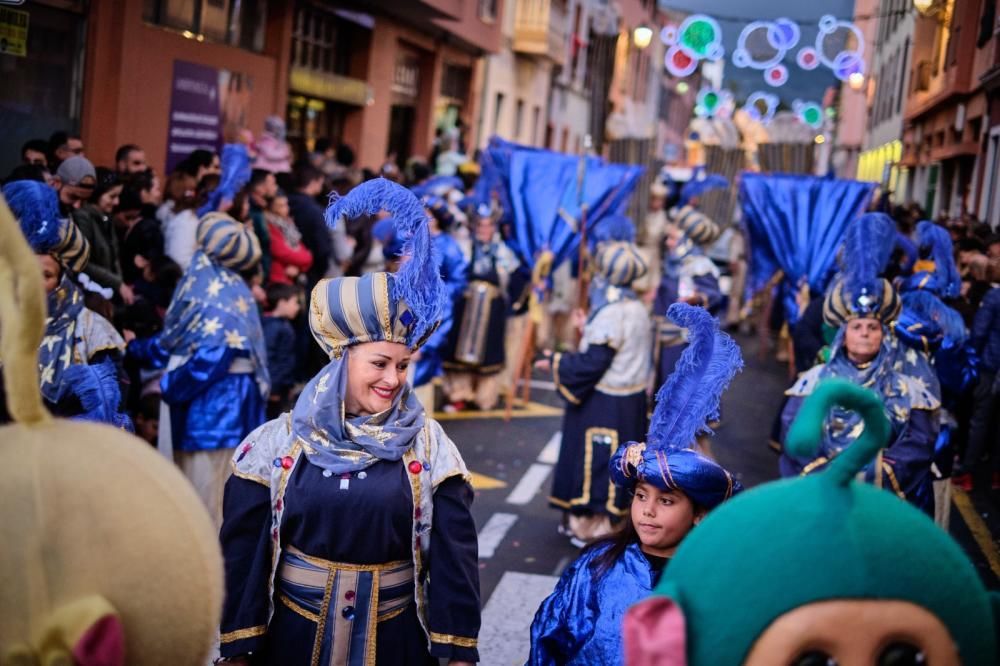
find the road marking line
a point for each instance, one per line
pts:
(483, 482)
(980, 532)
(506, 619)
(493, 532)
(530, 484)
(533, 409)
(550, 454)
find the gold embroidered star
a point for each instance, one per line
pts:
(67, 357)
(211, 326)
(911, 356)
(214, 287)
(242, 305)
(235, 340)
(366, 430)
(228, 277)
(203, 261)
(47, 373)
(50, 341)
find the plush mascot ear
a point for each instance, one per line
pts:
(654, 633)
(83, 632)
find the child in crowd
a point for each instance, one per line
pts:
(289, 257)
(673, 486)
(283, 305)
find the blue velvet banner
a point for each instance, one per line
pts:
(795, 224)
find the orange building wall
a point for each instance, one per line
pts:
(129, 71)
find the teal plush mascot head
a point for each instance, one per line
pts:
(821, 567)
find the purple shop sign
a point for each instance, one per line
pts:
(195, 112)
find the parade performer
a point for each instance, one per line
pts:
(475, 351)
(108, 556)
(863, 308)
(688, 274)
(216, 383)
(604, 385)
(840, 573)
(453, 267)
(79, 360)
(348, 536)
(672, 487)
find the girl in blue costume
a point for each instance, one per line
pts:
(216, 384)
(453, 266)
(863, 307)
(79, 360)
(689, 276)
(672, 488)
(348, 537)
(604, 385)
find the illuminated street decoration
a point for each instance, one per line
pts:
(761, 106)
(712, 103)
(699, 37)
(840, 46)
(762, 45)
(810, 113)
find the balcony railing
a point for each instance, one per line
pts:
(540, 29)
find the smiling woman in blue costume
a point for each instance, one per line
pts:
(864, 307)
(212, 346)
(604, 385)
(348, 536)
(672, 487)
(79, 361)
(689, 276)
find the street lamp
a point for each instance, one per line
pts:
(642, 36)
(923, 6)
(856, 80)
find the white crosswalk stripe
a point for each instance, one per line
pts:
(550, 454)
(530, 484)
(493, 533)
(504, 637)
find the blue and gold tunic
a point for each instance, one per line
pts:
(377, 566)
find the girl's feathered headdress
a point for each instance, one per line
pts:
(937, 257)
(869, 240)
(235, 173)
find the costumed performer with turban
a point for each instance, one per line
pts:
(453, 267)
(79, 360)
(672, 487)
(688, 275)
(348, 536)
(818, 570)
(108, 557)
(604, 385)
(216, 384)
(863, 307)
(475, 354)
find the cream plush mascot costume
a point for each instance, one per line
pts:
(107, 556)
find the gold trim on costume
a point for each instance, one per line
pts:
(298, 610)
(562, 389)
(822, 460)
(393, 613)
(621, 391)
(240, 634)
(460, 641)
(249, 477)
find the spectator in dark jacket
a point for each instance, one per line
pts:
(984, 427)
(308, 216)
(283, 305)
(94, 220)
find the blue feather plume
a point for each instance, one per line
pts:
(935, 239)
(97, 388)
(865, 251)
(438, 186)
(418, 282)
(869, 240)
(36, 207)
(612, 228)
(689, 399)
(235, 173)
(699, 185)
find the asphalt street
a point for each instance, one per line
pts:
(521, 552)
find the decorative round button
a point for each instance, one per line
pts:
(349, 595)
(277, 462)
(278, 504)
(415, 467)
(427, 465)
(348, 612)
(286, 462)
(417, 513)
(327, 473)
(362, 475)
